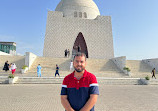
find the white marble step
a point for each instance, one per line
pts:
(3, 79)
(102, 80)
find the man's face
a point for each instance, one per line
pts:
(79, 63)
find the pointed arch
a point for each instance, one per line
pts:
(80, 45)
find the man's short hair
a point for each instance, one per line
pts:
(79, 54)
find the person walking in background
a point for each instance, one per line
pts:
(13, 68)
(6, 66)
(68, 53)
(79, 48)
(39, 70)
(65, 52)
(71, 65)
(153, 73)
(57, 71)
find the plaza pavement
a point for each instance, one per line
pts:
(46, 97)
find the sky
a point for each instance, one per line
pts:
(134, 25)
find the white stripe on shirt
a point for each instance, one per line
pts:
(65, 86)
(94, 84)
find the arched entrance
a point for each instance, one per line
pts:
(80, 45)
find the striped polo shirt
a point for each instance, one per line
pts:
(79, 91)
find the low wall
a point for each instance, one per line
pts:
(3, 53)
(120, 62)
(29, 59)
(152, 63)
(18, 60)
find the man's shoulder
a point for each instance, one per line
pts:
(69, 76)
(90, 75)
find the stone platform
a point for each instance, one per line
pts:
(46, 97)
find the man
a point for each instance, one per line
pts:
(153, 73)
(57, 71)
(39, 70)
(80, 88)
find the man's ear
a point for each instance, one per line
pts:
(85, 63)
(73, 62)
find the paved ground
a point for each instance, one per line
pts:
(45, 97)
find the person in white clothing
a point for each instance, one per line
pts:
(71, 65)
(13, 68)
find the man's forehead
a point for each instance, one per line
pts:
(80, 58)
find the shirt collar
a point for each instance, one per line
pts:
(84, 74)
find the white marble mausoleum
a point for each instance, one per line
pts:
(77, 24)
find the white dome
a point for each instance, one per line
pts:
(85, 9)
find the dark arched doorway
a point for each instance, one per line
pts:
(80, 45)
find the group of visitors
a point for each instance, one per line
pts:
(39, 70)
(9, 67)
(77, 49)
(67, 53)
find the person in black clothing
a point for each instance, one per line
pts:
(153, 73)
(57, 71)
(6, 66)
(79, 48)
(65, 53)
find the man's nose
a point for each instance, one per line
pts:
(79, 63)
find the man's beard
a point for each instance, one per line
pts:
(79, 70)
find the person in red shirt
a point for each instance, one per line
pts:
(80, 88)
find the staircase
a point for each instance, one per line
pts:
(3, 80)
(39, 80)
(138, 68)
(99, 67)
(153, 81)
(105, 70)
(49, 66)
(101, 80)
